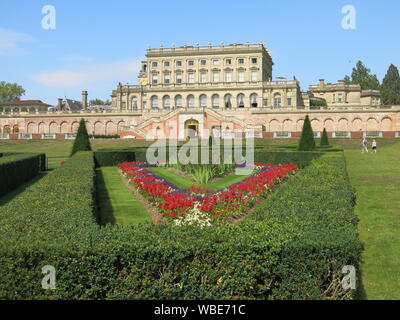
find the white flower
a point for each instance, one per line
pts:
(194, 217)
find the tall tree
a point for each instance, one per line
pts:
(307, 142)
(362, 75)
(390, 90)
(81, 142)
(10, 91)
(324, 139)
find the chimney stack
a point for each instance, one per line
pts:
(84, 100)
(321, 82)
(59, 104)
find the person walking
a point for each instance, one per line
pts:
(374, 146)
(364, 146)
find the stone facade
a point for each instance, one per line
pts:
(227, 88)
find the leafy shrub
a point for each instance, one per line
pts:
(81, 142)
(292, 247)
(113, 158)
(307, 142)
(324, 139)
(104, 136)
(17, 169)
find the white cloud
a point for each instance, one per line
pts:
(89, 76)
(9, 41)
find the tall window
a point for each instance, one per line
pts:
(289, 101)
(340, 97)
(241, 76)
(215, 76)
(203, 101)
(228, 76)
(134, 103)
(240, 100)
(179, 77)
(191, 77)
(154, 102)
(277, 100)
(154, 78)
(228, 101)
(253, 100)
(178, 101)
(215, 101)
(203, 77)
(166, 102)
(190, 101)
(254, 74)
(167, 78)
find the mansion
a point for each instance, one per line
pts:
(228, 88)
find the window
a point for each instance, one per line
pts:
(241, 76)
(265, 102)
(179, 77)
(253, 60)
(241, 61)
(215, 62)
(154, 64)
(340, 97)
(191, 77)
(166, 63)
(134, 103)
(167, 78)
(166, 102)
(154, 102)
(240, 100)
(253, 100)
(154, 78)
(277, 100)
(254, 75)
(215, 76)
(190, 101)
(203, 62)
(179, 63)
(228, 76)
(178, 101)
(215, 101)
(289, 101)
(228, 101)
(191, 62)
(203, 101)
(228, 61)
(203, 77)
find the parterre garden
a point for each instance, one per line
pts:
(293, 244)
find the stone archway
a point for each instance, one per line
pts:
(191, 128)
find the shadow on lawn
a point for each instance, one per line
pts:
(14, 193)
(105, 212)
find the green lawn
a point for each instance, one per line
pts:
(116, 202)
(376, 178)
(185, 183)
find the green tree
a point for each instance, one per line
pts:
(307, 142)
(10, 91)
(97, 102)
(324, 139)
(81, 142)
(362, 75)
(390, 90)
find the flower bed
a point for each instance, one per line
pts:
(174, 202)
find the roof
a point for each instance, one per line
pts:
(72, 105)
(24, 103)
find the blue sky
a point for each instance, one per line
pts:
(98, 43)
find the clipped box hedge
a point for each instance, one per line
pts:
(113, 158)
(18, 168)
(292, 247)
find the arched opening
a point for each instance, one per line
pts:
(134, 103)
(203, 101)
(215, 101)
(190, 101)
(240, 100)
(228, 101)
(191, 128)
(154, 102)
(166, 102)
(178, 101)
(6, 129)
(277, 101)
(15, 129)
(253, 100)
